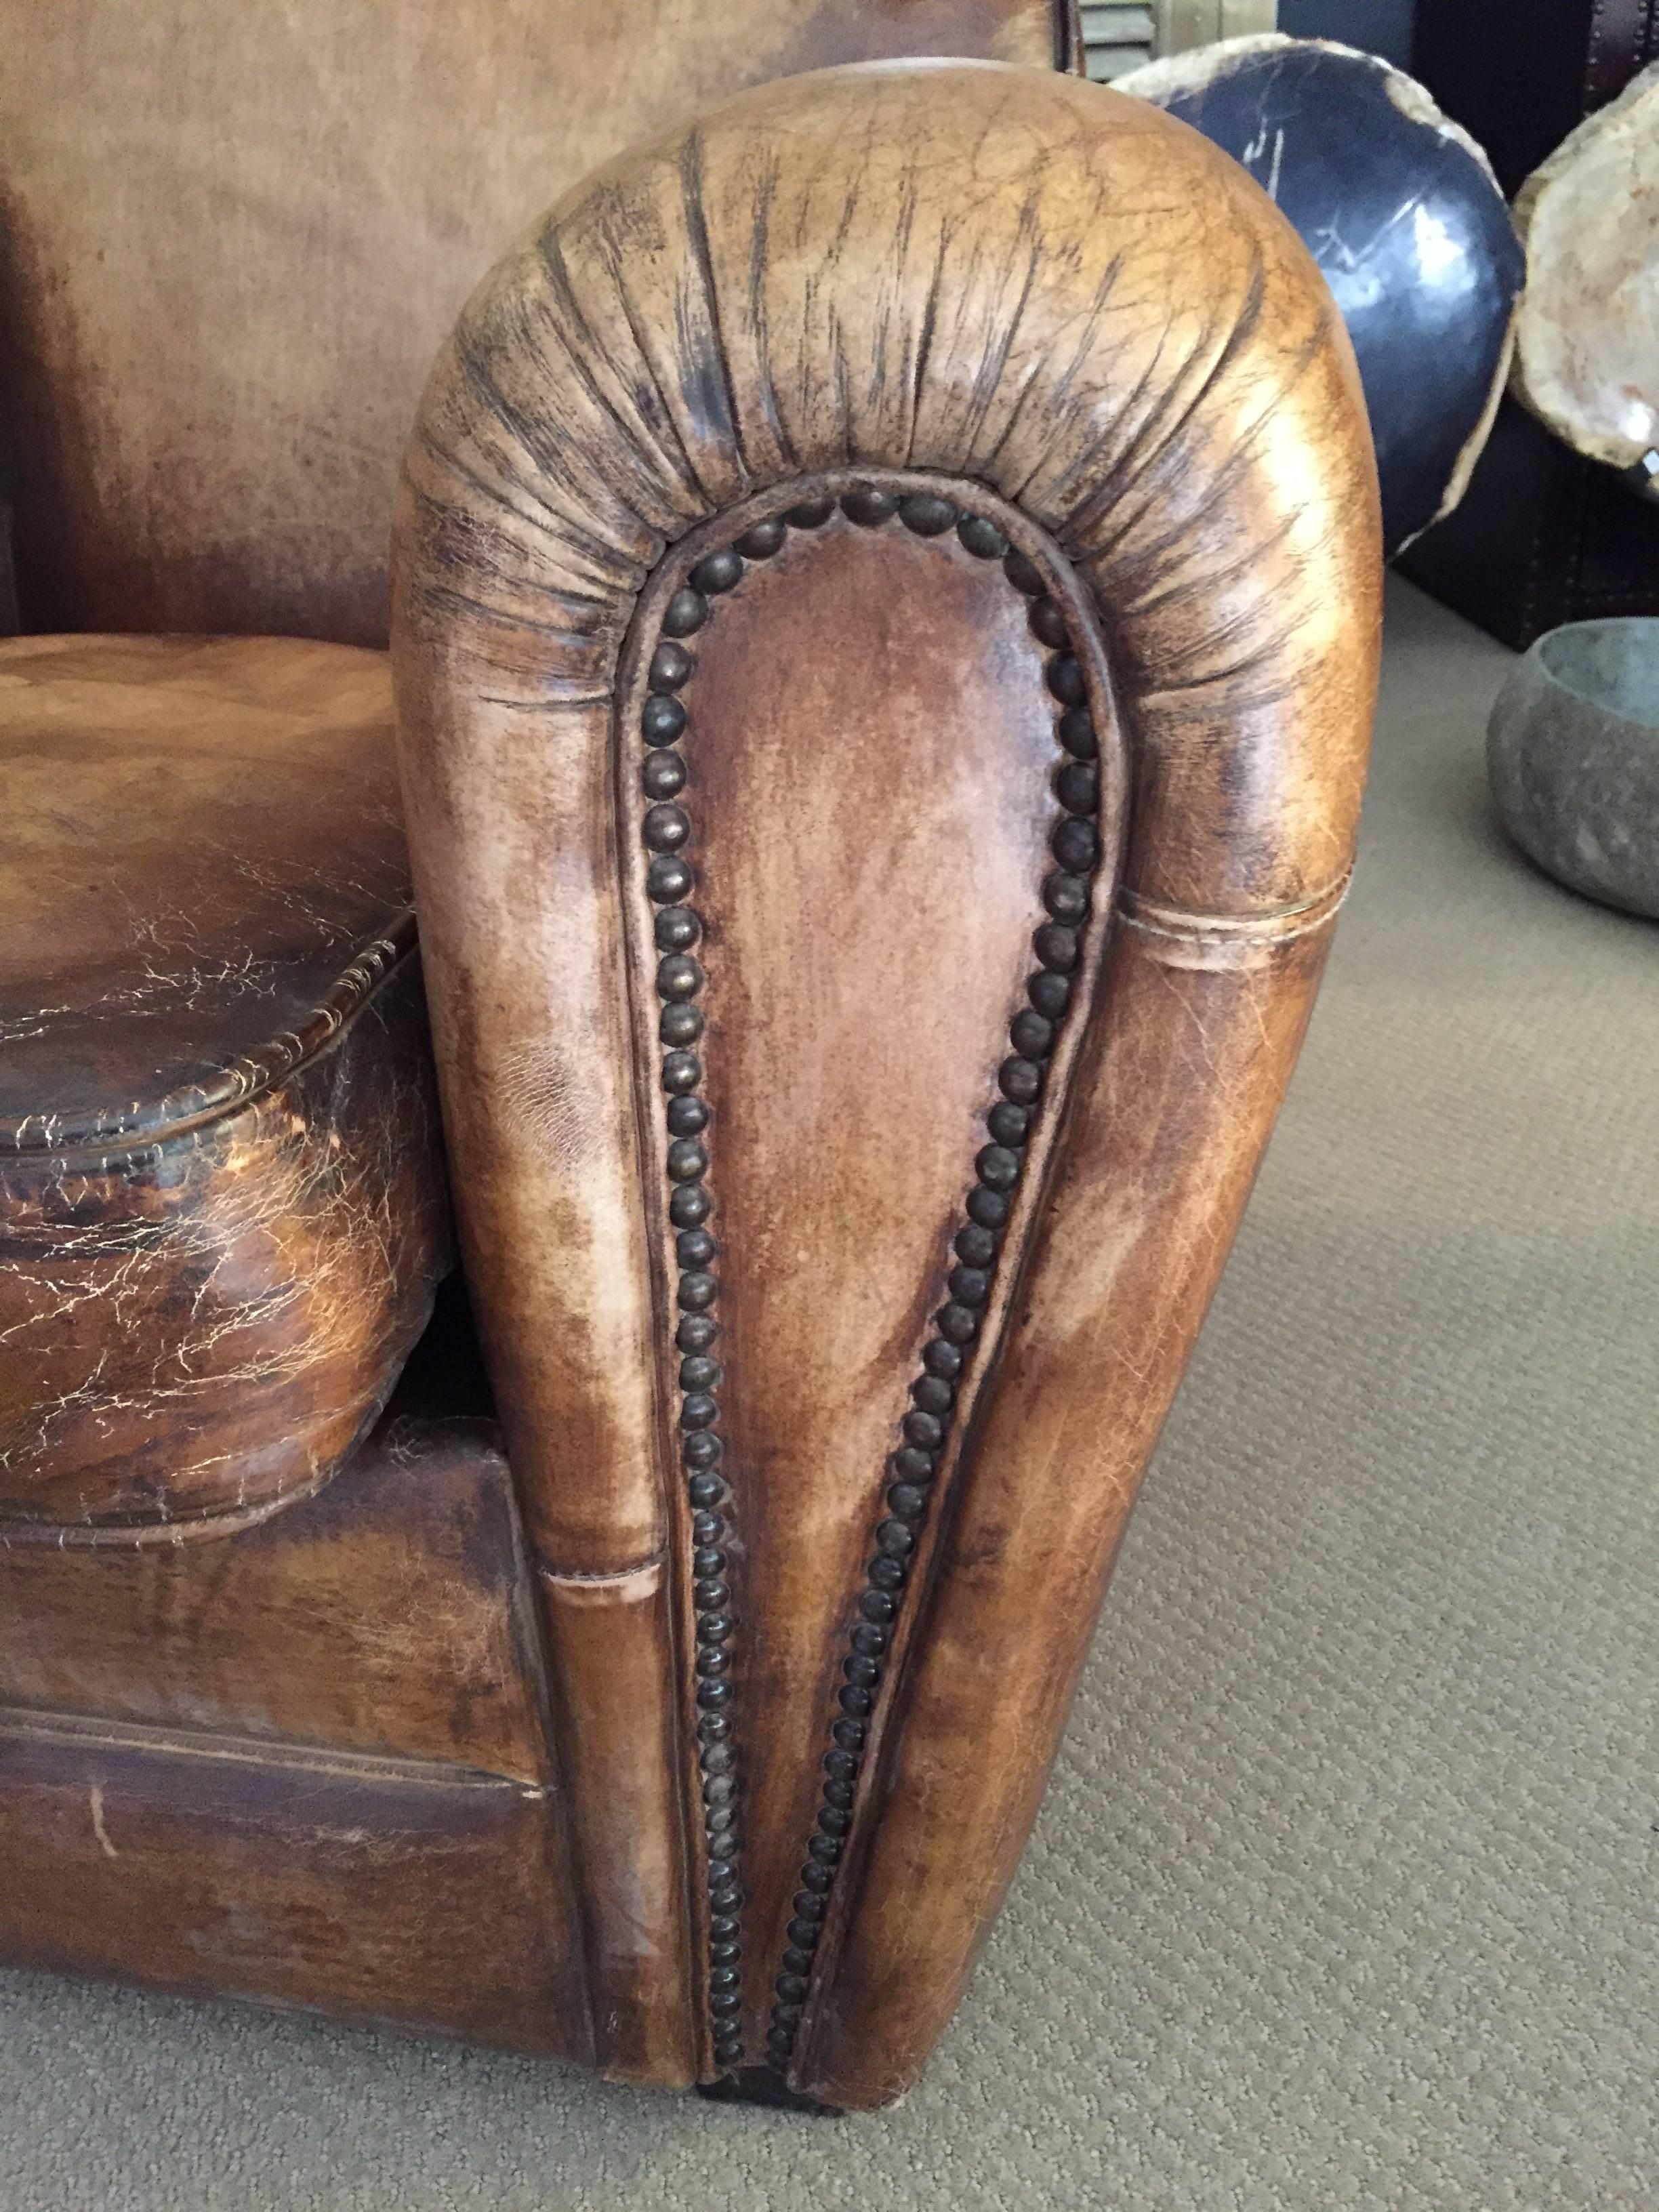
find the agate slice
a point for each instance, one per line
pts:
(1587, 357)
(1400, 208)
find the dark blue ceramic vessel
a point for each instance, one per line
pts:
(1405, 220)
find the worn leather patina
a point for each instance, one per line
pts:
(1052, 311)
(221, 1196)
(886, 609)
(302, 197)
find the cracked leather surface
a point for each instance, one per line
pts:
(222, 1203)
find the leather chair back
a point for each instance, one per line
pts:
(223, 272)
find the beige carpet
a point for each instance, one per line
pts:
(1344, 1892)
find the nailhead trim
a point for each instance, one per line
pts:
(668, 831)
(1034, 1033)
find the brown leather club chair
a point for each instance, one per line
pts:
(885, 622)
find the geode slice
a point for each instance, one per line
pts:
(1587, 356)
(1400, 208)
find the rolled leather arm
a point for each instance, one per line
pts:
(1065, 316)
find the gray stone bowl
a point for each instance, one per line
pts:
(1572, 752)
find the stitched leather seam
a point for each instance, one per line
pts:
(238, 1083)
(1275, 928)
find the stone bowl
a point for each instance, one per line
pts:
(1572, 752)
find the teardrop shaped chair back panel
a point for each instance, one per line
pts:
(885, 618)
(232, 238)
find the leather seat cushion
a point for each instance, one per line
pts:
(222, 1210)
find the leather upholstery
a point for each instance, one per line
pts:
(232, 238)
(221, 1199)
(895, 293)
(1063, 314)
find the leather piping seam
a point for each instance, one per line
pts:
(601, 1578)
(18, 1532)
(1281, 926)
(242, 1080)
(24, 1725)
